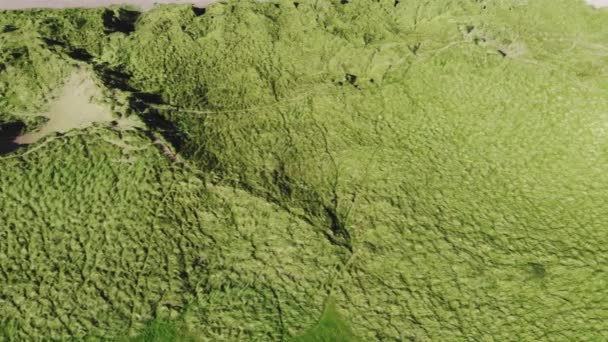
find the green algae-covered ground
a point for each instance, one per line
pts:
(363, 170)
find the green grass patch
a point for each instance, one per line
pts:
(457, 149)
(160, 330)
(8, 331)
(332, 327)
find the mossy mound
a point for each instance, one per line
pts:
(429, 171)
(101, 234)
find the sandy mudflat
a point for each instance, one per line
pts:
(146, 4)
(73, 109)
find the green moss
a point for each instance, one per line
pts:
(8, 330)
(437, 169)
(162, 331)
(28, 73)
(100, 232)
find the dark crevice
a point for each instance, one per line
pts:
(9, 28)
(165, 127)
(478, 40)
(148, 97)
(142, 103)
(53, 42)
(198, 11)
(113, 78)
(185, 277)
(296, 4)
(414, 48)
(279, 313)
(8, 133)
(280, 181)
(339, 234)
(350, 78)
(207, 160)
(184, 274)
(18, 53)
(199, 262)
(316, 212)
(122, 20)
(80, 54)
(537, 270)
(104, 295)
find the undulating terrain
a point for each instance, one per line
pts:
(362, 170)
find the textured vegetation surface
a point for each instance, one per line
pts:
(312, 170)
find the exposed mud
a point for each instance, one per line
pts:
(74, 108)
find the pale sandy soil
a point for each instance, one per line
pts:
(145, 4)
(598, 3)
(74, 108)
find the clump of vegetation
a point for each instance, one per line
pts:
(410, 161)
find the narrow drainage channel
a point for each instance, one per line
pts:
(8, 132)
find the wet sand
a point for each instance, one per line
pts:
(144, 4)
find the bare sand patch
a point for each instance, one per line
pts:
(76, 107)
(598, 3)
